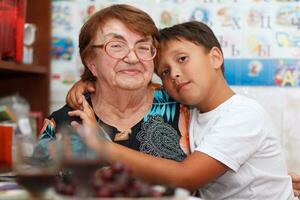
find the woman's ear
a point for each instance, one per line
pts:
(217, 57)
(91, 65)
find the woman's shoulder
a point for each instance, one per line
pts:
(61, 113)
(61, 116)
(161, 96)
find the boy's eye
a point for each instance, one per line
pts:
(164, 73)
(182, 59)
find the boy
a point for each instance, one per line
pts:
(235, 151)
(232, 129)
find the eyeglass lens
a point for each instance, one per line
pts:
(143, 50)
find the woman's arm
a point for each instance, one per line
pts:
(296, 183)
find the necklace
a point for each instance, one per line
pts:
(122, 135)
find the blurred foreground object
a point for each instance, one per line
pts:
(36, 173)
(116, 181)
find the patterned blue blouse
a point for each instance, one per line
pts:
(163, 131)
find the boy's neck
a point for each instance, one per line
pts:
(218, 95)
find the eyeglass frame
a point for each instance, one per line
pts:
(103, 46)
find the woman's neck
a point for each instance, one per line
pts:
(122, 108)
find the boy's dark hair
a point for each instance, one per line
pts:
(193, 31)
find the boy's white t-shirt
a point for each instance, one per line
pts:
(240, 134)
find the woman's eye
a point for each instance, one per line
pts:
(144, 48)
(116, 46)
(182, 59)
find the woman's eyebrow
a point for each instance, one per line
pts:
(114, 35)
(120, 37)
(145, 39)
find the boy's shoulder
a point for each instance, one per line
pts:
(237, 106)
(243, 108)
(245, 103)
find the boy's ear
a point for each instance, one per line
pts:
(92, 67)
(217, 57)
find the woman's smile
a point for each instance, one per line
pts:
(130, 72)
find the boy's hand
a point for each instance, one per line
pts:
(74, 97)
(296, 183)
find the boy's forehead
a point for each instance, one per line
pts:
(178, 44)
(172, 45)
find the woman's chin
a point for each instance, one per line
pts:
(132, 84)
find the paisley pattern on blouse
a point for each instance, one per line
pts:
(160, 139)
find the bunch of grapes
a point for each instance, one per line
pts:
(116, 181)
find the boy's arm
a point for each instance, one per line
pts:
(74, 96)
(197, 170)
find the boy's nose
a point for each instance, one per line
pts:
(175, 74)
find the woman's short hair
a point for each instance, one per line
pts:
(133, 18)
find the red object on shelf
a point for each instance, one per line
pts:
(12, 19)
(6, 137)
(21, 15)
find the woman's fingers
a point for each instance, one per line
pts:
(75, 125)
(296, 183)
(296, 193)
(87, 108)
(77, 113)
(86, 115)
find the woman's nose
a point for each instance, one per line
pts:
(131, 57)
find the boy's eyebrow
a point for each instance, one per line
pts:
(176, 51)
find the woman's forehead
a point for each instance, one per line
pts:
(116, 29)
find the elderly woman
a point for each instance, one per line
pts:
(118, 45)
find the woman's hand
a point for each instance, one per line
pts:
(74, 97)
(296, 183)
(89, 127)
(87, 116)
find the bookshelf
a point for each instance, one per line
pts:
(32, 81)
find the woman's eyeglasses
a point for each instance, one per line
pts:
(145, 51)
